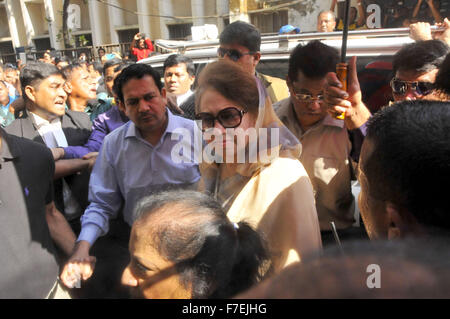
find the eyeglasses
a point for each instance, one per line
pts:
(230, 117)
(400, 87)
(308, 98)
(233, 54)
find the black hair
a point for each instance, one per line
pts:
(421, 56)
(36, 72)
(314, 60)
(241, 33)
(135, 71)
(123, 65)
(176, 59)
(97, 66)
(63, 58)
(442, 82)
(213, 256)
(101, 48)
(68, 70)
(111, 63)
(410, 162)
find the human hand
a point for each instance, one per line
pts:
(79, 267)
(57, 152)
(91, 158)
(420, 31)
(338, 101)
(444, 36)
(137, 36)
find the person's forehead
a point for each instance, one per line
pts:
(235, 46)
(138, 87)
(310, 84)
(412, 75)
(177, 68)
(325, 16)
(55, 78)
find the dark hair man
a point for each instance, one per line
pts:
(45, 120)
(403, 170)
(104, 124)
(134, 160)
(179, 76)
(82, 91)
(415, 67)
(240, 42)
(327, 143)
(29, 222)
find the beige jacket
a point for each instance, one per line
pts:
(326, 157)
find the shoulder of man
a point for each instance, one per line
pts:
(40, 153)
(81, 119)
(276, 87)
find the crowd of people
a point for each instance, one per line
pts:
(117, 182)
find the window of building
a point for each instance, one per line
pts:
(269, 22)
(179, 31)
(126, 36)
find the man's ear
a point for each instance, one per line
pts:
(401, 222)
(68, 87)
(192, 79)
(121, 106)
(256, 58)
(30, 93)
(164, 95)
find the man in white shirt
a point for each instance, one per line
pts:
(179, 75)
(46, 121)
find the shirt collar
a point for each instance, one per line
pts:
(132, 130)
(183, 97)
(326, 121)
(40, 122)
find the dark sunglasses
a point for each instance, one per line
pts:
(233, 54)
(400, 87)
(230, 117)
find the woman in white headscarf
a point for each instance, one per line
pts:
(256, 176)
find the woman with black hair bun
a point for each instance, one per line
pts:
(182, 245)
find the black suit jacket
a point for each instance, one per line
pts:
(77, 129)
(188, 107)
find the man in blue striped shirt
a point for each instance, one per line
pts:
(135, 160)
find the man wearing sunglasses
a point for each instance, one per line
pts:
(240, 42)
(328, 145)
(415, 67)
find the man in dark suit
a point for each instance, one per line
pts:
(179, 76)
(46, 121)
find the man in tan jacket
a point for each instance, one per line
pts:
(240, 42)
(328, 145)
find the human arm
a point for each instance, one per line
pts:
(444, 36)
(66, 167)
(59, 228)
(436, 15)
(333, 5)
(133, 42)
(362, 15)
(149, 44)
(339, 101)
(93, 144)
(417, 8)
(420, 31)
(105, 201)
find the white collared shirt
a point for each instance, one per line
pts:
(183, 97)
(53, 136)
